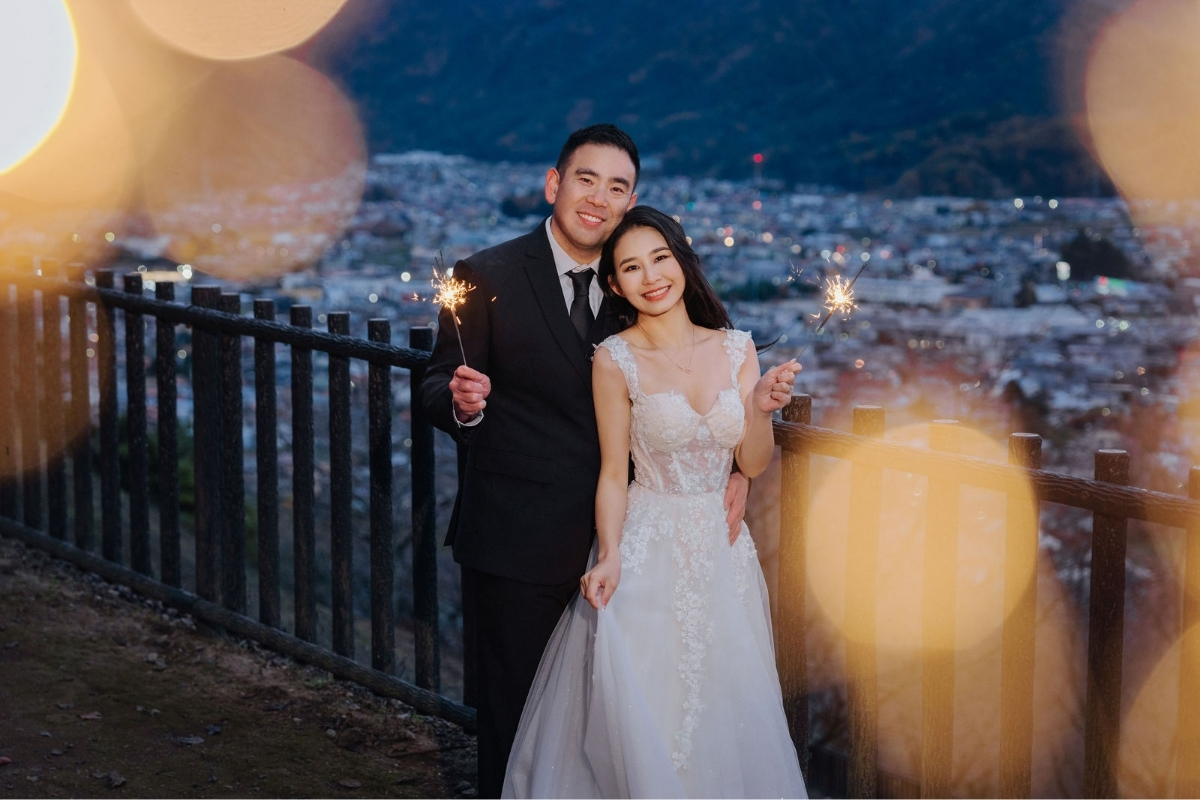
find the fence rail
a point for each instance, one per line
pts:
(36, 456)
(44, 436)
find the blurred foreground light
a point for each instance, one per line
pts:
(981, 604)
(235, 29)
(270, 148)
(980, 537)
(38, 55)
(1143, 107)
(61, 200)
(1151, 730)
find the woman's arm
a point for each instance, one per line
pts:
(611, 398)
(767, 394)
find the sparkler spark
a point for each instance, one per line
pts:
(839, 299)
(450, 293)
(839, 296)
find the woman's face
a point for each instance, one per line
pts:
(647, 273)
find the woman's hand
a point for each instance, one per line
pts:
(774, 388)
(599, 583)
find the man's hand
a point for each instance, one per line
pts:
(469, 390)
(735, 504)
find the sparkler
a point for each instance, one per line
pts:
(450, 293)
(839, 299)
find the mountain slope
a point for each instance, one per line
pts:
(940, 95)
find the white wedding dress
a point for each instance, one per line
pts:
(671, 689)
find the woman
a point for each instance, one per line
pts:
(660, 678)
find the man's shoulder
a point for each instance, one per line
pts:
(512, 253)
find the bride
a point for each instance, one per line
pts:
(667, 687)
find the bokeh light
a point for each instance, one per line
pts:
(905, 513)
(38, 56)
(235, 29)
(80, 184)
(1149, 730)
(980, 614)
(1142, 100)
(60, 201)
(258, 170)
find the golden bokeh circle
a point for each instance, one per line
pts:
(980, 605)
(258, 171)
(235, 29)
(1142, 100)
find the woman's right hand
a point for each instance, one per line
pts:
(599, 583)
(774, 388)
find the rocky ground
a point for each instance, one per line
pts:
(105, 693)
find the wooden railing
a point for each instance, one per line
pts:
(46, 433)
(47, 468)
(1112, 504)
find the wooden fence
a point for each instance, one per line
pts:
(46, 395)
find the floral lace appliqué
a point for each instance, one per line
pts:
(681, 459)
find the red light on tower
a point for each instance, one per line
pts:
(758, 158)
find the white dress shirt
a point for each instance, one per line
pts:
(564, 264)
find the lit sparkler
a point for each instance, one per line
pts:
(839, 299)
(450, 293)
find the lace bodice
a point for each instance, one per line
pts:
(675, 449)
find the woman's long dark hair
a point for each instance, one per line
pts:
(703, 306)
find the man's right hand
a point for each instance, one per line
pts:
(469, 389)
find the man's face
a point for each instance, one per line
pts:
(589, 198)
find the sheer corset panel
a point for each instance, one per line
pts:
(677, 450)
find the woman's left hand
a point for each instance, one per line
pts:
(774, 388)
(599, 583)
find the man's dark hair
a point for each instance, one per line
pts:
(605, 134)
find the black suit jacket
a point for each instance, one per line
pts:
(526, 500)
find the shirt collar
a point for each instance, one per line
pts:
(563, 263)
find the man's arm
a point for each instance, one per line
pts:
(474, 324)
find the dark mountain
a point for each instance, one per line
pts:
(919, 96)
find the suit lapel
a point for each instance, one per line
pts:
(607, 323)
(539, 267)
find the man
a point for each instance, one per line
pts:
(522, 526)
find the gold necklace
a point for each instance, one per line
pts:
(686, 370)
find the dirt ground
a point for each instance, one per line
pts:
(105, 693)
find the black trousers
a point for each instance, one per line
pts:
(506, 625)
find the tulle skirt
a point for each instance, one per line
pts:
(671, 689)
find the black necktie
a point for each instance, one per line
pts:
(581, 304)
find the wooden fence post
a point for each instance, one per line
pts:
(1187, 754)
(1106, 628)
(1020, 601)
(862, 579)
(790, 631)
(937, 623)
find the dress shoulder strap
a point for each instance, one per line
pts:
(618, 348)
(735, 347)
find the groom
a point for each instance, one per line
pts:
(522, 526)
